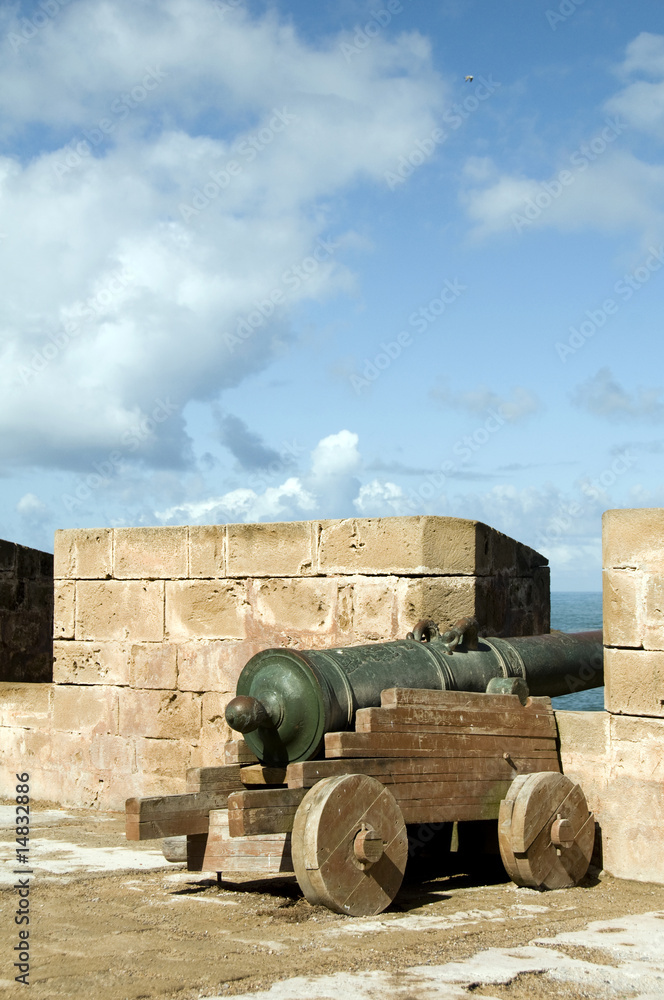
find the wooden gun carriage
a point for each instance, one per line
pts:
(338, 819)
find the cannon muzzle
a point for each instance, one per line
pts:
(287, 699)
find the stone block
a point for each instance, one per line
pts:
(584, 753)
(163, 758)
(271, 550)
(207, 551)
(374, 609)
(118, 609)
(622, 607)
(633, 539)
(209, 751)
(634, 681)
(85, 709)
(419, 545)
(64, 601)
(27, 706)
(653, 611)
(213, 717)
(7, 557)
(154, 665)
(90, 663)
(151, 553)
(212, 665)
(202, 609)
(163, 715)
(83, 553)
(444, 599)
(637, 749)
(282, 610)
(113, 753)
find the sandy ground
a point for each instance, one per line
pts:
(116, 921)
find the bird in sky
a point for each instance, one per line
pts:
(469, 79)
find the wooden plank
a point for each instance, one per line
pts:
(256, 774)
(256, 855)
(237, 752)
(388, 770)
(254, 813)
(393, 697)
(427, 719)
(416, 812)
(449, 791)
(171, 815)
(350, 744)
(214, 779)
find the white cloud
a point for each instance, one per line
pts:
(603, 396)
(600, 185)
(97, 239)
(377, 499)
(517, 405)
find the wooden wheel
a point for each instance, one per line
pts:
(349, 845)
(545, 831)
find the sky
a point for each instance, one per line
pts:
(269, 261)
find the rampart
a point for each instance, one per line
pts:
(153, 625)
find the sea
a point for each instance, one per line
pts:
(578, 611)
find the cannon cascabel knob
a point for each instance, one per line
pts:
(244, 714)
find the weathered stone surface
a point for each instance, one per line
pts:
(584, 753)
(151, 553)
(163, 715)
(272, 550)
(419, 545)
(163, 758)
(212, 665)
(85, 710)
(90, 662)
(284, 609)
(117, 609)
(83, 553)
(374, 612)
(653, 612)
(633, 539)
(153, 665)
(444, 599)
(623, 607)
(202, 609)
(634, 681)
(207, 551)
(64, 593)
(113, 753)
(25, 705)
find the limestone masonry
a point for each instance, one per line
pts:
(153, 625)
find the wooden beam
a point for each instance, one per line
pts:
(171, 815)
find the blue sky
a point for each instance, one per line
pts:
(277, 261)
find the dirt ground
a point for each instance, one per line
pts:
(131, 934)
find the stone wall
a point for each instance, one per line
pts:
(618, 755)
(153, 625)
(26, 613)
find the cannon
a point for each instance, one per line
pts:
(346, 751)
(288, 699)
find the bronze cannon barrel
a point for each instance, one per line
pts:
(287, 699)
